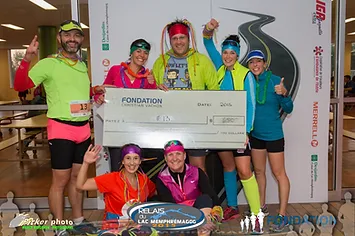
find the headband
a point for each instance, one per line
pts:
(143, 46)
(131, 149)
(173, 146)
(234, 47)
(178, 28)
(256, 54)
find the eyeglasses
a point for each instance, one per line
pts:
(173, 142)
(230, 42)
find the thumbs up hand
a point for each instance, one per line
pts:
(150, 78)
(280, 88)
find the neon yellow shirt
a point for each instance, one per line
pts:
(67, 88)
(203, 75)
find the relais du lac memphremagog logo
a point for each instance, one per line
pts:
(167, 216)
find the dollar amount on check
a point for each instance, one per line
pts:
(199, 119)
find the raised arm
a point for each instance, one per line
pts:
(209, 45)
(82, 182)
(22, 82)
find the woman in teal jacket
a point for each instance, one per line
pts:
(233, 76)
(267, 136)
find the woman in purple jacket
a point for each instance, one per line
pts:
(185, 184)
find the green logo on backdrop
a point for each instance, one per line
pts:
(314, 157)
(105, 46)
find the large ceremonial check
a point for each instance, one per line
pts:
(199, 119)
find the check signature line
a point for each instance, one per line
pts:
(173, 123)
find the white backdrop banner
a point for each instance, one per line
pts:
(295, 36)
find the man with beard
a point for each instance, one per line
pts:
(187, 60)
(67, 85)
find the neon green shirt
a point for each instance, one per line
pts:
(67, 88)
(203, 75)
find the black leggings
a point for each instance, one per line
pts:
(203, 201)
(64, 153)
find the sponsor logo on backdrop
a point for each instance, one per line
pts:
(314, 172)
(319, 15)
(105, 31)
(315, 117)
(318, 68)
(298, 220)
(106, 63)
(166, 216)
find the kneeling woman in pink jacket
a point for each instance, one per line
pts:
(188, 185)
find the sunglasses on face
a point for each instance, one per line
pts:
(230, 42)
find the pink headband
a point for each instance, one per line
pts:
(173, 148)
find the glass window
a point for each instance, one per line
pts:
(15, 57)
(352, 60)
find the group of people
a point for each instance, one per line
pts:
(349, 86)
(177, 182)
(67, 85)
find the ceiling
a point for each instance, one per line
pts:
(29, 16)
(349, 27)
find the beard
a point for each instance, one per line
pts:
(68, 49)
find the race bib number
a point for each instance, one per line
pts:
(80, 108)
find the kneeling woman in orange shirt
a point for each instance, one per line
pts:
(120, 188)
